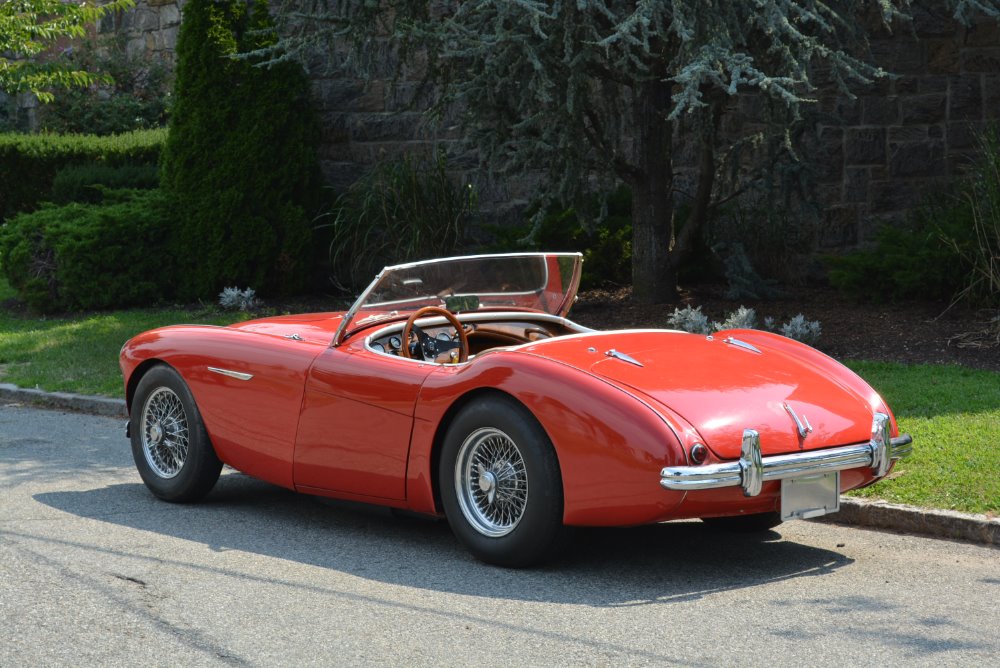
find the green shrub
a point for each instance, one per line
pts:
(910, 261)
(399, 211)
(241, 159)
(91, 256)
(87, 183)
(946, 250)
(132, 96)
(29, 163)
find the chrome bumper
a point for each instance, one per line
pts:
(752, 470)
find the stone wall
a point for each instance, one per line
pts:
(905, 137)
(878, 155)
(149, 29)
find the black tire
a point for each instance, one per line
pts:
(500, 484)
(757, 523)
(170, 446)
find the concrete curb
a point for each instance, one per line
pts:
(853, 511)
(910, 519)
(80, 403)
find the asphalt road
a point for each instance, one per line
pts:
(95, 571)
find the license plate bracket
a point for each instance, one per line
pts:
(810, 496)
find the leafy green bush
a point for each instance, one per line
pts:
(241, 159)
(400, 210)
(132, 94)
(91, 256)
(29, 163)
(87, 183)
(910, 261)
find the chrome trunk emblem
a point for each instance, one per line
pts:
(801, 425)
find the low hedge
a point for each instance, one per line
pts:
(87, 183)
(91, 256)
(29, 163)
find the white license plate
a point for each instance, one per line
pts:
(810, 496)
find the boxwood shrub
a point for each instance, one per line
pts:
(29, 163)
(91, 256)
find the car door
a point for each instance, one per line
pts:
(357, 416)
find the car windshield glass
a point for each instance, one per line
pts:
(544, 282)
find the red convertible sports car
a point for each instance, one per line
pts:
(459, 387)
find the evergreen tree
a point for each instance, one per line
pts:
(240, 159)
(597, 88)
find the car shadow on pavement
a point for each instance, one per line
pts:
(673, 562)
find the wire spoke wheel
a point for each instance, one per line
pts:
(491, 482)
(164, 432)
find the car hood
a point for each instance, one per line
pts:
(721, 387)
(311, 327)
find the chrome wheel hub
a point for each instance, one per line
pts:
(491, 482)
(164, 432)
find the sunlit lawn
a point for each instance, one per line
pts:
(952, 412)
(79, 353)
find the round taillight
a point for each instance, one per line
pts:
(699, 453)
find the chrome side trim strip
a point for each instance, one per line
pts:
(232, 374)
(744, 472)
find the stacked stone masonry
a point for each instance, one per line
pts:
(879, 154)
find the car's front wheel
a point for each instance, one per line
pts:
(170, 446)
(500, 484)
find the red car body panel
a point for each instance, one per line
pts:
(351, 423)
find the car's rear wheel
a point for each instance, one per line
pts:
(170, 446)
(500, 484)
(756, 523)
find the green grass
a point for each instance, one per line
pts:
(80, 353)
(953, 414)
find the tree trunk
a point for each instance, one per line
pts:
(654, 275)
(698, 217)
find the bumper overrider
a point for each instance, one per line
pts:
(752, 470)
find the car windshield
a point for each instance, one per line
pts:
(544, 282)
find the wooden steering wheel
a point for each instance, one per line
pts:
(430, 348)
